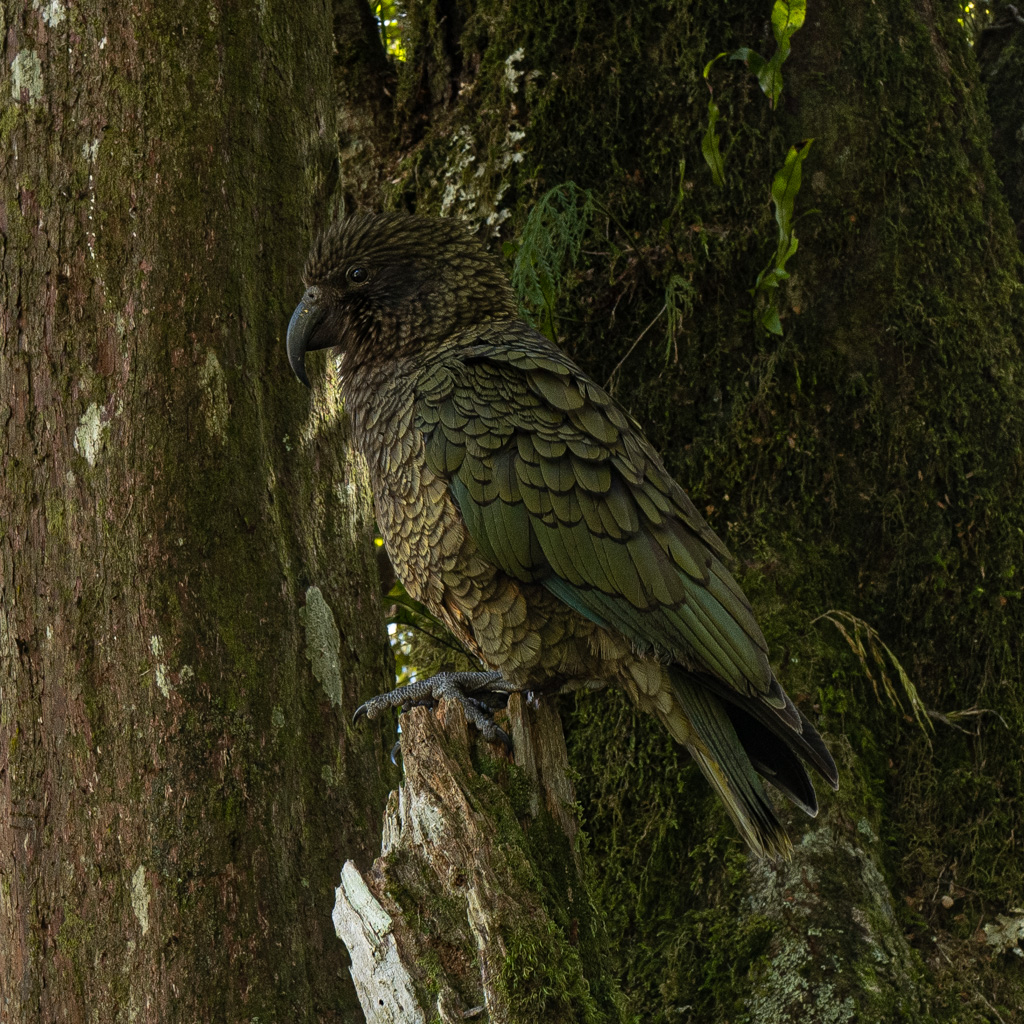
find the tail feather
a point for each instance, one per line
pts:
(773, 760)
(720, 754)
(781, 719)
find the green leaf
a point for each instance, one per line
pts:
(787, 17)
(770, 319)
(709, 146)
(770, 78)
(785, 186)
(711, 63)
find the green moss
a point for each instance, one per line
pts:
(8, 119)
(544, 979)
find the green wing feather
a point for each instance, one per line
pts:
(558, 485)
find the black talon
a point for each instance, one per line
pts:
(505, 740)
(361, 712)
(396, 749)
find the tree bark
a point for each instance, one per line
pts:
(188, 595)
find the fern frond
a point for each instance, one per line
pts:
(548, 247)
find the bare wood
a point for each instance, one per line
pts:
(382, 981)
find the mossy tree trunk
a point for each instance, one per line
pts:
(864, 464)
(179, 537)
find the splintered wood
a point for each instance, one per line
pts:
(426, 925)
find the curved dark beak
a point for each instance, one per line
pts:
(302, 333)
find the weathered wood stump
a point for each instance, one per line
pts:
(478, 868)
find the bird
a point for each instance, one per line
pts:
(526, 509)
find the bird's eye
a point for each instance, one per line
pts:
(358, 274)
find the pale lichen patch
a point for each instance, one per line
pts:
(163, 679)
(90, 434)
(140, 897)
(1007, 933)
(27, 77)
(512, 73)
(323, 643)
(215, 396)
(53, 12)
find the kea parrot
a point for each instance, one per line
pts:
(525, 508)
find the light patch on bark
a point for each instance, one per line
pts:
(382, 983)
(163, 680)
(163, 677)
(89, 151)
(323, 643)
(52, 12)
(90, 435)
(1007, 934)
(27, 74)
(140, 897)
(215, 396)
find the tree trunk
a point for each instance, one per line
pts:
(864, 464)
(188, 596)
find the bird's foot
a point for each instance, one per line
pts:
(479, 694)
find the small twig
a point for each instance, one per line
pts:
(618, 365)
(951, 718)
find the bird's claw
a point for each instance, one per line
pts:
(489, 691)
(502, 737)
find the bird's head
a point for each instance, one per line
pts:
(390, 285)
